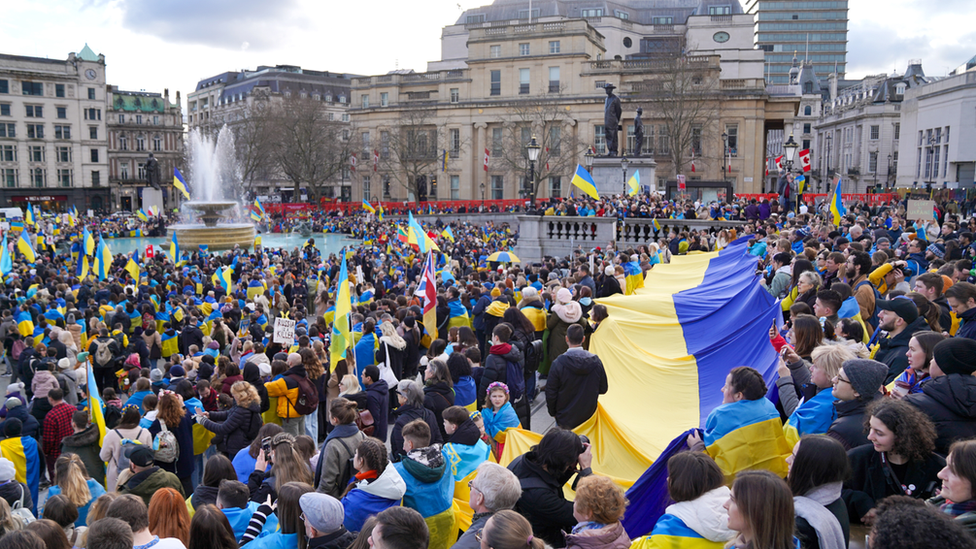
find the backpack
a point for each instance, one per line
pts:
(20, 512)
(877, 296)
(103, 354)
(126, 444)
(17, 348)
(533, 355)
(348, 470)
(307, 401)
(165, 446)
(515, 379)
(113, 415)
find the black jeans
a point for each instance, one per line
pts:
(105, 377)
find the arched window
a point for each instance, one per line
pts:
(807, 111)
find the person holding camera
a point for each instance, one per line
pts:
(542, 472)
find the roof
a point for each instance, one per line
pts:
(638, 11)
(87, 54)
(138, 102)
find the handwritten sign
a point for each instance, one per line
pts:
(284, 331)
(920, 209)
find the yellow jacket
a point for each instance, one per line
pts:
(286, 389)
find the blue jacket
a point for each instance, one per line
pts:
(430, 484)
(967, 327)
(276, 540)
(365, 354)
(97, 491)
(371, 498)
(244, 464)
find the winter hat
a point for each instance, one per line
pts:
(13, 402)
(63, 364)
(956, 356)
(15, 388)
(937, 249)
(609, 271)
(564, 296)
(866, 376)
(7, 470)
(322, 511)
(205, 370)
(156, 375)
(496, 291)
(13, 427)
(140, 455)
(213, 345)
(177, 371)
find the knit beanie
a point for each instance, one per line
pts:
(564, 296)
(956, 355)
(866, 376)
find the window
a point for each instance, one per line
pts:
(141, 170)
(93, 114)
(62, 112)
(35, 131)
(38, 177)
(93, 132)
(474, 19)
(696, 140)
(9, 177)
(648, 148)
(873, 162)
(4, 109)
(496, 83)
(662, 20)
(384, 145)
(554, 46)
(524, 49)
(91, 93)
(454, 138)
(553, 79)
(663, 141)
(123, 143)
(525, 14)
(599, 140)
(35, 153)
(155, 120)
(62, 132)
(342, 98)
(807, 111)
(554, 146)
(806, 128)
(732, 131)
(365, 101)
(455, 187)
(596, 12)
(364, 137)
(8, 130)
(455, 95)
(432, 195)
(345, 117)
(526, 133)
(366, 181)
(621, 14)
(523, 81)
(32, 88)
(138, 119)
(897, 131)
(140, 143)
(63, 154)
(555, 186)
(719, 10)
(4, 86)
(121, 119)
(94, 155)
(494, 52)
(385, 99)
(34, 111)
(8, 153)
(900, 89)
(124, 170)
(496, 141)
(806, 144)
(497, 187)
(64, 177)
(96, 178)
(875, 133)
(331, 116)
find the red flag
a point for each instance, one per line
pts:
(767, 166)
(692, 165)
(779, 162)
(805, 159)
(352, 162)
(487, 155)
(150, 251)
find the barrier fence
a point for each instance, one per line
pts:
(870, 199)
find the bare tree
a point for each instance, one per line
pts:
(253, 144)
(544, 118)
(682, 92)
(412, 150)
(309, 149)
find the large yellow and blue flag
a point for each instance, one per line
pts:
(174, 251)
(25, 323)
(224, 276)
(81, 271)
(836, 203)
(103, 259)
(813, 417)
(341, 338)
(634, 183)
(447, 232)
(259, 208)
(87, 242)
(417, 235)
(25, 247)
(180, 183)
(6, 263)
(368, 207)
(141, 214)
(23, 452)
(132, 267)
(96, 408)
(29, 217)
(584, 181)
(633, 276)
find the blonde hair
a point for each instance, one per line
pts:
(350, 381)
(830, 358)
(70, 478)
(244, 393)
(7, 521)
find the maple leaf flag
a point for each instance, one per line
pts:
(805, 159)
(487, 155)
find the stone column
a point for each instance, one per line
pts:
(478, 160)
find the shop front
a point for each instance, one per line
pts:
(59, 200)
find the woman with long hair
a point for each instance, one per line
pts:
(238, 426)
(392, 349)
(100, 506)
(902, 447)
(291, 531)
(8, 523)
(928, 310)
(920, 352)
(176, 418)
(168, 515)
(218, 468)
(246, 457)
(818, 469)
(438, 391)
(805, 335)
(314, 370)
(210, 529)
(287, 466)
(465, 390)
(376, 486)
(761, 511)
(509, 530)
(70, 479)
(339, 448)
(958, 496)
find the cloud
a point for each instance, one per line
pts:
(225, 24)
(874, 49)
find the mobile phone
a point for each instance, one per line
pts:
(266, 448)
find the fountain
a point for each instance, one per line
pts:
(214, 175)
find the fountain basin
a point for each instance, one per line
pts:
(221, 237)
(211, 211)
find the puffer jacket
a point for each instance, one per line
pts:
(286, 389)
(437, 398)
(950, 402)
(85, 445)
(372, 497)
(496, 367)
(238, 426)
(406, 414)
(611, 536)
(31, 427)
(542, 501)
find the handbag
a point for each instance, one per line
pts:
(386, 373)
(20, 512)
(364, 421)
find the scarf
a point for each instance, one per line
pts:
(500, 349)
(812, 508)
(956, 509)
(588, 525)
(367, 475)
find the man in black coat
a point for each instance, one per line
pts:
(576, 381)
(191, 335)
(377, 400)
(949, 399)
(899, 317)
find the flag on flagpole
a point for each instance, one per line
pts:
(487, 156)
(429, 296)
(180, 183)
(584, 181)
(448, 233)
(779, 162)
(174, 251)
(352, 162)
(634, 183)
(88, 243)
(340, 326)
(103, 259)
(836, 203)
(368, 207)
(132, 267)
(6, 263)
(96, 408)
(805, 159)
(141, 214)
(25, 247)
(444, 160)
(29, 216)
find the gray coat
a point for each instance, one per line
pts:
(467, 539)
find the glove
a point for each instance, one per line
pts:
(199, 419)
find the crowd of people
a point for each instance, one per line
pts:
(156, 405)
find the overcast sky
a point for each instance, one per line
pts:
(156, 44)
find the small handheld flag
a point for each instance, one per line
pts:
(584, 181)
(25, 247)
(368, 207)
(634, 183)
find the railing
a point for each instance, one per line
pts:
(552, 27)
(783, 89)
(522, 29)
(494, 31)
(871, 199)
(721, 18)
(385, 78)
(736, 84)
(413, 77)
(663, 29)
(397, 208)
(636, 230)
(580, 229)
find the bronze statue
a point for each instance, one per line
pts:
(638, 132)
(153, 174)
(611, 119)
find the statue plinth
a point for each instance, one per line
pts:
(609, 178)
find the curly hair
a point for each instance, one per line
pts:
(903, 521)
(600, 498)
(313, 366)
(914, 431)
(245, 394)
(171, 411)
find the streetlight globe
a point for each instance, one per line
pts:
(588, 159)
(533, 149)
(624, 163)
(789, 148)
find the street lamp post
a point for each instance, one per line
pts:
(828, 139)
(888, 176)
(533, 150)
(789, 150)
(624, 164)
(725, 153)
(482, 186)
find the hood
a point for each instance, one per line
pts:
(19, 412)
(506, 351)
(238, 517)
(466, 434)
(296, 371)
(957, 392)
(706, 515)
(388, 485)
(439, 387)
(203, 495)
(252, 374)
(569, 313)
(582, 362)
(85, 438)
(378, 386)
(426, 464)
(599, 538)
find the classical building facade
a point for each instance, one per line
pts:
(546, 79)
(139, 124)
(53, 150)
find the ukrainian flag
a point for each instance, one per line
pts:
(22, 451)
(634, 184)
(368, 207)
(95, 405)
(6, 263)
(671, 532)
(132, 267)
(25, 323)
(180, 183)
(459, 315)
(584, 181)
(341, 338)
(88, 242)
(633, 276)
(448, 233)
(464, 460)
(255, 288)
(747, 435)
(837, 205)
(225, 278)
(657, 226)
(171, 345)
(141, 214)
(174, 251)
(25, 247)
(813, 417)
(103, 260)
(29, 218)
(257, 211)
